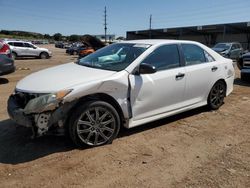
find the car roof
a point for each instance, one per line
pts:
(16, 41)
(158, 41)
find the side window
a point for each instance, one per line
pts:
(234, 47)
(11, 43)
(28, 45)
(193, 54)
(164, 57)
(18, 44)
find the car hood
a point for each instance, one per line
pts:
(61, 77)
(219, 49)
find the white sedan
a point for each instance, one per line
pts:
(92, 98)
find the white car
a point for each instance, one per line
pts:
(93, 98)
(27, 49)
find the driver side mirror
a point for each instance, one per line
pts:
(146, 69)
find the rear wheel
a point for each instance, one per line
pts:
(217, 95)
(44, 55)
(94, 123)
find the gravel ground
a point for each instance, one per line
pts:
(199, 148)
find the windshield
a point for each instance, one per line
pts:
(114, 57)
(223, 46)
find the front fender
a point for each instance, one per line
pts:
(116, 86)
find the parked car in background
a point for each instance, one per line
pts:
(74, 49)
(63, 45)
(243, 64)
(94, 97)
(66, 45)
(59, 45)
(243, 61)
(27, 49)
(84, 51)
(232, 50)
(6, 62)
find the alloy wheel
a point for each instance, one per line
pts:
(217, 95)
(96, 126)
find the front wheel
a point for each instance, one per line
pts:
(217, 95)
(94, 123)
(44, 55)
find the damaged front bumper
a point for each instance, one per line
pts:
(17, 114)
(38, 112)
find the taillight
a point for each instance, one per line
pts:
(5, 50)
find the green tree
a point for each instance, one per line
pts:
(46, 36)
(74, 38)
(57, 36)
(6, 32)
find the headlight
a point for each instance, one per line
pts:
(61, 94)
(47, 102)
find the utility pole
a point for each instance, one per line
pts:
(150, 26)
(105, 23)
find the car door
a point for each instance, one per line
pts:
(162, 91)
(19, 48)
(201, 72)
(30, 50)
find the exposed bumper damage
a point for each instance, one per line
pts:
(38, 112)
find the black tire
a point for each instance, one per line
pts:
(14, 55)
(216, 95)
(86, 128)
(44, 55)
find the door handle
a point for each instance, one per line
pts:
(179, 76)
(214, 68)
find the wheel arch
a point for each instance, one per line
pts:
(14, 52)
(223, 80)
(102, 97)
(43, 52)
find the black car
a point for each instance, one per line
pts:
(59, 45)
(244, 65)
(74, 49)
(6, 61)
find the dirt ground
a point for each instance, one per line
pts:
(199, 148)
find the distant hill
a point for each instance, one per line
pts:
(89, 40)
(18, 34)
